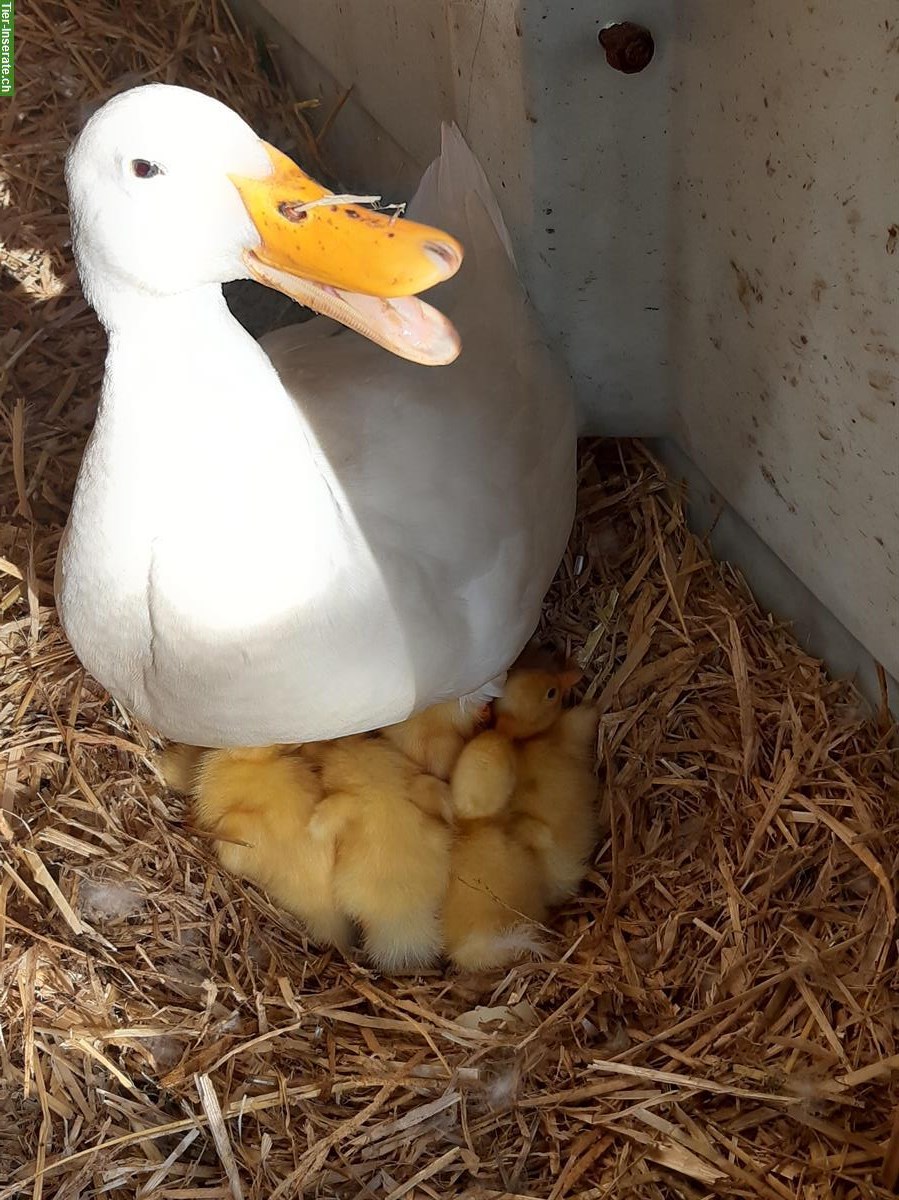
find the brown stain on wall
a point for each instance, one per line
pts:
(747, 291)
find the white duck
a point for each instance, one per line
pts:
(309, 537)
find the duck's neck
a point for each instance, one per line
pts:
(177, 342)
(125, 311)
(186, 366)
(191, 399)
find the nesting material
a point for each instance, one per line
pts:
(717, 1013)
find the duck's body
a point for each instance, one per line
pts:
(312, 537)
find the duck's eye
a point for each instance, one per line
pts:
(552, 693)
(144, 169)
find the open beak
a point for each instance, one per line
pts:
(360, 267)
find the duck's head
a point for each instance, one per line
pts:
(171, 191)
(531, 702)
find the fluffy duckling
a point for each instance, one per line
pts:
(487, 773)
(434, 738)
(524, 795)
(178, 766)
(388, 822)
(555, 802)
(492, 899)
(259, 803)
(532, 700)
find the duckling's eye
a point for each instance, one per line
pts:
(552, 693)
(144, 169)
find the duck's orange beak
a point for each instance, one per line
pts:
(361, 268)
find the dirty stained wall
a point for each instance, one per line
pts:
(713, 243)
(784, 286)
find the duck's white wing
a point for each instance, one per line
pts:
(462, 478)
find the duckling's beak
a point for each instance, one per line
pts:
(359, 267)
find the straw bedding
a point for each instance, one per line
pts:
(717, 1016)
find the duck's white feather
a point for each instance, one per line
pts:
(314, 537)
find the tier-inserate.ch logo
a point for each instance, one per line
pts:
(7, 48)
